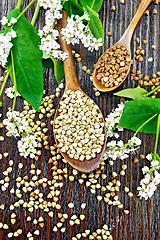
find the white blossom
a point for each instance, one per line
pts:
(49, 35)
(155, 164)
(74, 32)
(12, 21)
(19, 127)
(5, 46)
(136, 141)
(10, 92)
(145, 169)
(112, 121)
(15, 125)
(118, 149)
(149, 157)
(4, 20)
(27, 146)
(12, 33)
(77, 31)
(53, 5)
(151, 179)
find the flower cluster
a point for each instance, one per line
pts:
(76, 30)
(118, 149)
(10, 92)
(121, 150)
(27, 146)
(5, 46)
(112, 121)
(15, 125)
(4, 21)
(52, 5)
(19, 127)
(49, 35)
(151, 179)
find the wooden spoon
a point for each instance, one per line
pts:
(125, 41)
(71, 83)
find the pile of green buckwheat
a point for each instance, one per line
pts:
(79, 126)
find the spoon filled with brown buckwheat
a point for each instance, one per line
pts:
(113, 66)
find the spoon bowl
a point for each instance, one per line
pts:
(71, 83)
(124, 41)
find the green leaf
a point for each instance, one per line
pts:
(68, 7)
(58, 67)
(93, 4)
(76, 4)
(137, 112)
(95, 24)
(0, 104)
(58, 70)
(27, 60)
(133, 93)
(3, 32)
(73, 7)
(47, 63)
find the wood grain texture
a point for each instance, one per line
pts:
(143, 220)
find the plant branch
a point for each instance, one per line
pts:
(14, 78)
(4, 82)
(145, 124)
(19, 4)
(93, 4)
(155, 89)
(25, 9)
(157, 135)
(63, 2)
(35, 14)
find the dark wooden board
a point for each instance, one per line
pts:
(143, 220)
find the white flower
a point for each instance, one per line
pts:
(53, 5)
(149, 157)
(142, 192)
(112, 121)
(19, 127)
(145, 169)
(5, 46)
(136, 141)
(27, 146)
(118, 149)
(112, 143)
(154, 163)
(116, 135)
(4, 20)
(157, 177)
(13, 20)
(120, 143)
(10, 92)
(12, 33)
(151, 179)
(97, 43)
(76, 30)
(40, 33)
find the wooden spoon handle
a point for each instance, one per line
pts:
(69, 69)
(141, 9)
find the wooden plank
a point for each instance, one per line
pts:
(143, 220)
